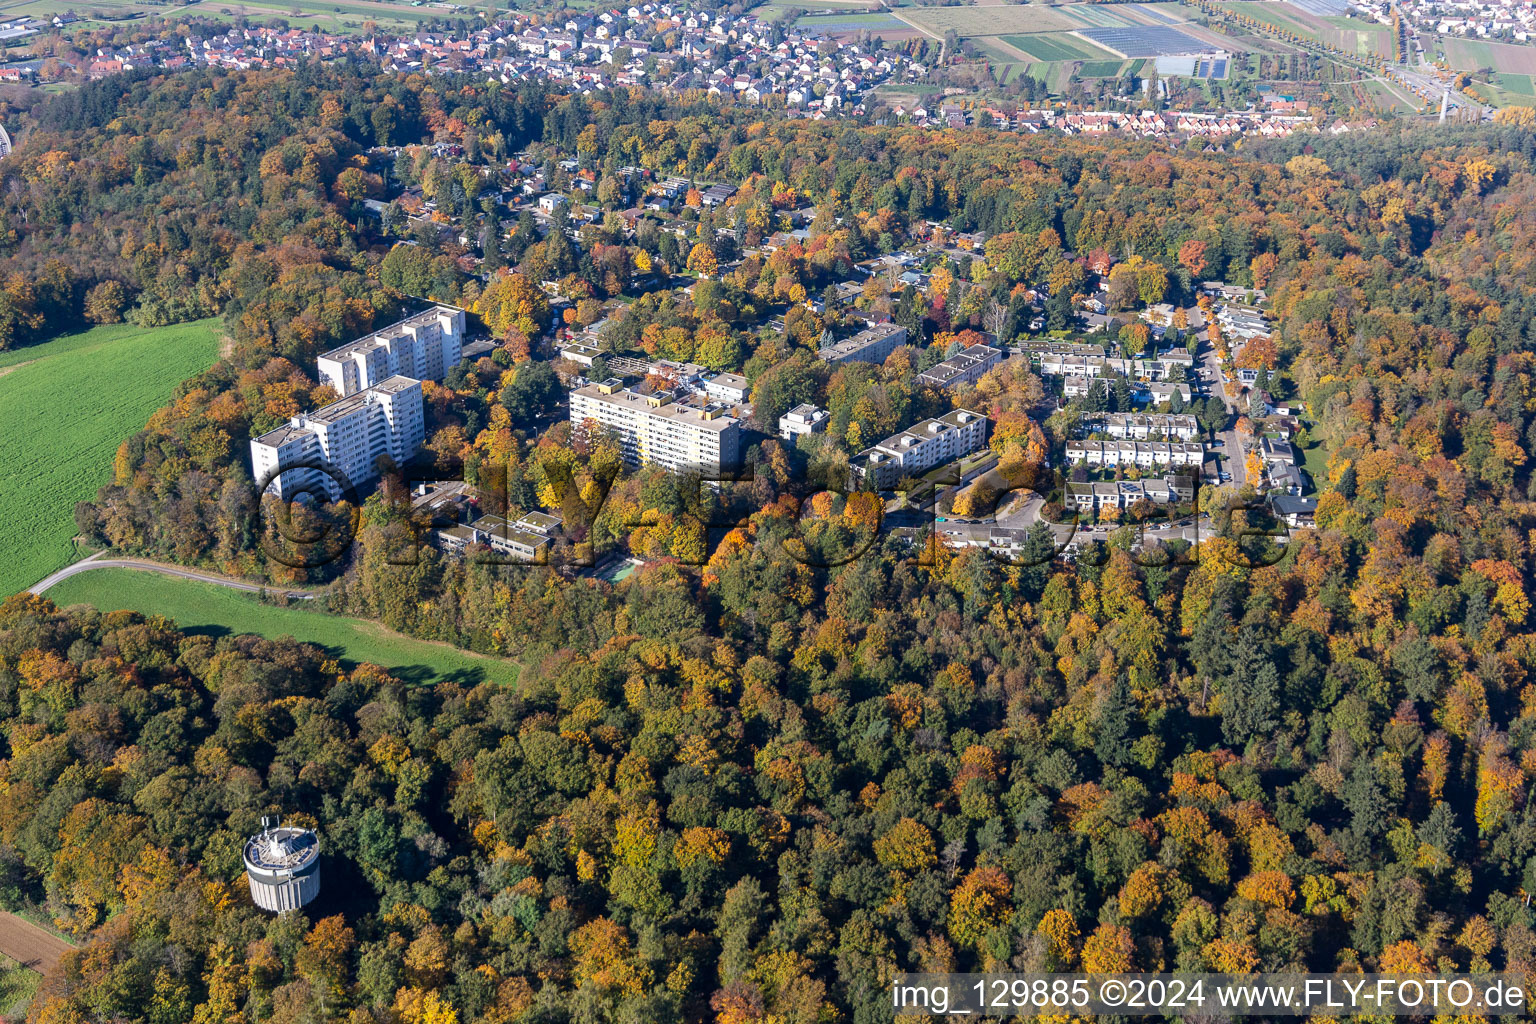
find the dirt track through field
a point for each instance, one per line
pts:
(29, 945)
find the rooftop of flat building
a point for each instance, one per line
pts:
(930, 429)
(395, 330)
(691, 409)
(344, 407)
(960, 362)
(279, 436)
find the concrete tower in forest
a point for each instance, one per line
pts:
(282, 864)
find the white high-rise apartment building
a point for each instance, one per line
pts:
(425, 347)
(661, 430)
(347, 436)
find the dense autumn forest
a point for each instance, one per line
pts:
(745, 784)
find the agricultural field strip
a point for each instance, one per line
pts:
(1471, 55)
(969, 22)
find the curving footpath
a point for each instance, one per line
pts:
(97, 561)
(29, 945)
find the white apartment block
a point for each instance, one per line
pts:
(660, 429)
(921, 447)
(802, 419)
(965, 367)
(348, 437)
(1144, 454)
(1139, 426)
(727, 387)
(871, 345)
(424, 347)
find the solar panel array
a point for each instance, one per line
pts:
(1145, 40)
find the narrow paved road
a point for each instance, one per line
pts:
(29, 945)
(97, 561)
(1215, 382)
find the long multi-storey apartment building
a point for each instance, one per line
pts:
(921, 447)
(965, 367)
(660, 428)
(424, 347)
(871, 345)
(346, 438)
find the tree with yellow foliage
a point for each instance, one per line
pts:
(1109, 950)
(981, 903)
(701, 260)
(907, 846)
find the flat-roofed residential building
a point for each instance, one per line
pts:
(871, 345)
(1141, 426)
(1038, 348)
(1075, 385)
(1054, 364)
(580, 352)
(347, 437)
(424, 347)
(727, 387)
(660, 428)
(802, 419)
(524, 540)
(921, 447)
(1135, 453)
(962, 368)
(1090, 497)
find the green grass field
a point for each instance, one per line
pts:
(1056, 47)
(851, 22)
(1101, 69)
(206, 608)
(65, 406)
(17, 987)
(1519, 84)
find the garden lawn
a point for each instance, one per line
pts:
(205, 608)
(65, 407)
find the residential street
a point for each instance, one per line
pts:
(1215, 383)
